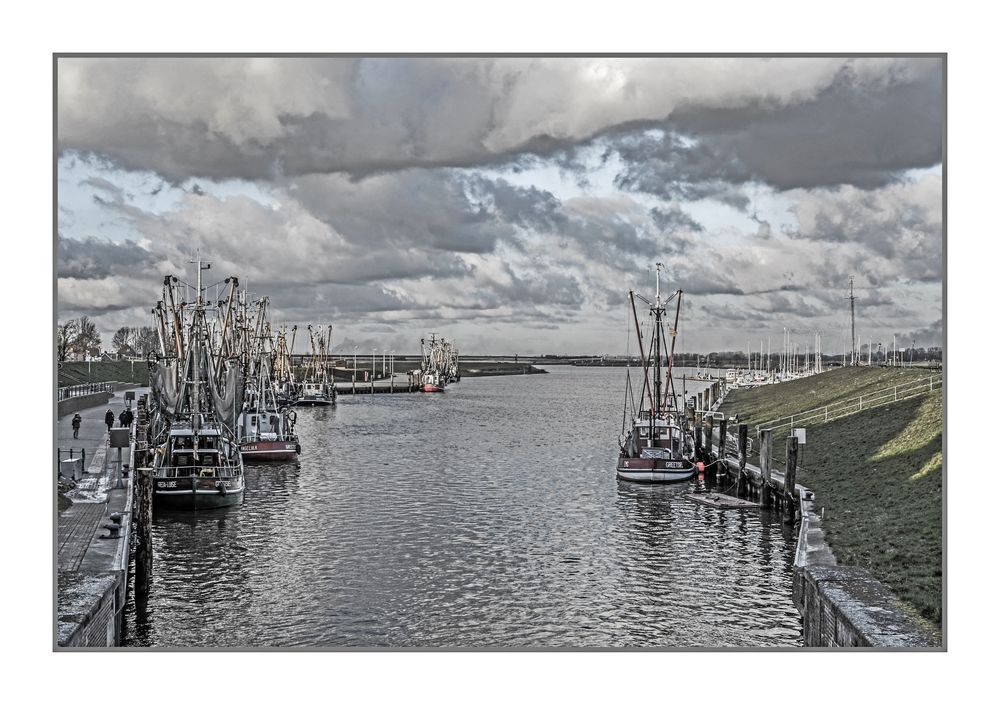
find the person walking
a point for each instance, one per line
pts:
(127, 421)
(77, 420)
(109, 419)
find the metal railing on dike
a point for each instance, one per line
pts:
(79, 390)
(847, 407)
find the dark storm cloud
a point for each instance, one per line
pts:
(673, 218)
(426, 208)
(850, 133)
(96, 259)
(529, 208)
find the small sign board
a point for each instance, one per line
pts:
(800, 433)
(119, 437)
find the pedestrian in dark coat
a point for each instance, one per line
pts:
(128, 418)
(109, 419)
(77, 420)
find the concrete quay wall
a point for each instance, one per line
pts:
(74, 404)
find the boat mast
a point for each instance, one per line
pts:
(658, 313)
(642, 353)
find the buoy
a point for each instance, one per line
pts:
(701, 469)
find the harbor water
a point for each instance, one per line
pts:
(487, 516)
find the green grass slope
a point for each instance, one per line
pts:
(877, 474)
(71, 373)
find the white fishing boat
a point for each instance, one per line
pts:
(654, 446)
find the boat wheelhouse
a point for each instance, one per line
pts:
(315, 394)
(197, 469)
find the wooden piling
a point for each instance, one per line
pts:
(765, 467)
(143, 529)
(709, 437)
(720, 468)
(791, 465)
(742, 479)
(698, 453)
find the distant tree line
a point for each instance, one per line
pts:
(77, 338)
(139, 341)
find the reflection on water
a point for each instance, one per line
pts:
(487, 516)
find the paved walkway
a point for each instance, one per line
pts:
(93, 432)
(79, 524)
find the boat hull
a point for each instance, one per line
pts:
(314, 401)
(268, 451)
(197, 493)
(429, 388)
(651, 470)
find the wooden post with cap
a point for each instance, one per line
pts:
(765, 467)
(720, 468)
(791, 464)
(741, 481)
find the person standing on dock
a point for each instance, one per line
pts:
(109, 419)
(77, 420)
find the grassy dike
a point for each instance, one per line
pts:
(877, 474)
(71, 373)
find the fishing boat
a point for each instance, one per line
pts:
(267, 435)
(266, 427)
(431, 382)
(196, 458)
(654, 445)
(198, 467)
(315, 389)
(438, 364)
(286, 391)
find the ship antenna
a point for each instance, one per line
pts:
(659, 265)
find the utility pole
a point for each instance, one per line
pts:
(853, 334)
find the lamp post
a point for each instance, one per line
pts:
(383, 363)
(373, 363)
(354, 374)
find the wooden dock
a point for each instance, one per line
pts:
(398, 384)
(722, 501)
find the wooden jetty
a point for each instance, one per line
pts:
(397, 384)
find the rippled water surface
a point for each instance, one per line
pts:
(487, 516)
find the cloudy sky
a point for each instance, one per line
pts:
(510, 203)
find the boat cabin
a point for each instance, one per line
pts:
(204, 455)
(313, 389)
(668, 438)
(266, 425)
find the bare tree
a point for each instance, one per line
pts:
(122, 342)
(65, 337)
(88, 340)
(144, 340)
